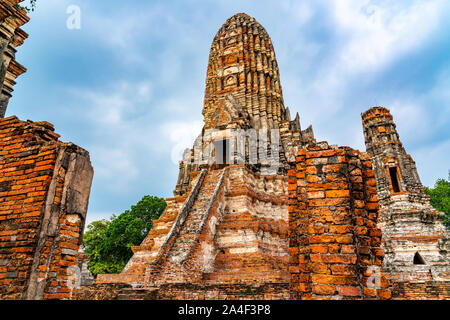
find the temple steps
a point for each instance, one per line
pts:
(147, 251)
(190, 229)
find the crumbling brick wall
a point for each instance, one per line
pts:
(44, 192)
(428, 290)
(334, 242)
(184, 291)
(232, 291)
(100, 291)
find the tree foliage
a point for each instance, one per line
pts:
(93, 239)
(30, 7)
(108, 243)
(440, 197)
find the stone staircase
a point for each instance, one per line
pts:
(150, 249)
(146, 252)
(190, 230)
(185, 240)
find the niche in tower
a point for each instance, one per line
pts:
(230, 81)
(418, 259)
(222, 151)
(393, 173)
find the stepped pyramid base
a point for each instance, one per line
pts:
(231, 229)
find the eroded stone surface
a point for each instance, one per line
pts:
(44, 194)
(414, 236)
(334, 242)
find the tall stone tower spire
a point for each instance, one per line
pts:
(243, 95)
(242, 63)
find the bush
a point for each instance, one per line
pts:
(440, 197)
(108, 242)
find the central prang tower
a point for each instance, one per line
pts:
(242, 62)
(243, 91)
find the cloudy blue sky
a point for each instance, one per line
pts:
(128, 86)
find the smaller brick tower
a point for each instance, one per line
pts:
(415, 239)
(397, 179)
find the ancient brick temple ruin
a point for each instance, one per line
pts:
(261, 210)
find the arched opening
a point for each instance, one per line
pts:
(394, 179)
(418, 259)
(222, 152)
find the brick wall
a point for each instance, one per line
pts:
(334, 243)
(44, 192)
(429, 290)
(185, 291)
(100, 291)
(235, 291)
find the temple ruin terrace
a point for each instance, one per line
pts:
(260, 210)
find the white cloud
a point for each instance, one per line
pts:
(119, 132)
(123, 32)
(369, 35)
(114, 165)
(366, 38)
(374, 33)
(181, 136)
(113, 106)
(129, 130)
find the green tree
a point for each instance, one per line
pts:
(28, 8)
(108, 243)
(93, 239)
(440, 197)
(148, 209)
